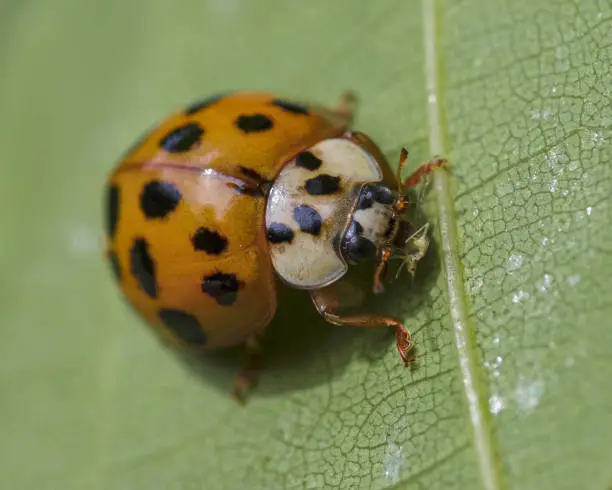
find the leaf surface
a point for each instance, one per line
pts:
(510, 310)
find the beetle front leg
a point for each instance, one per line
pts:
(414, 179)
(423, 171)
(326, 303)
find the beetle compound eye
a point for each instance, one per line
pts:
(354, 247)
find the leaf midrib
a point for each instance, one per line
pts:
(464, 336)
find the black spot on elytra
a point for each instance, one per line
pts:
(185, 326)
(308, 161)
(115, 265)
(254, 123)
(183, 138)
(322, 185)
(143, 267)
(289, 106)
(112, 209)
(203, 104)
(279, 233)
(308, 219)
(209, 241)
(354, 247)
(222, 287)
(159, 198)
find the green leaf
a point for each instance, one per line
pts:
(510, 310)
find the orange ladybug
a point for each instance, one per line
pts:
(223, 197)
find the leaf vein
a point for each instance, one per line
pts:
(474, 390)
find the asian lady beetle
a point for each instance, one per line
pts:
(233, 191)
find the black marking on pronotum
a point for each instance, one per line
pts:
(279, 233)
(308, 219)
(308, 160)
(322, 185)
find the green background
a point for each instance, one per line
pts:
(520, 103)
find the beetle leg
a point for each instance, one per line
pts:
(400, 168)
(381, 269)
(247, 378)
(424, 170)
(414, 179)
(325, 301)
